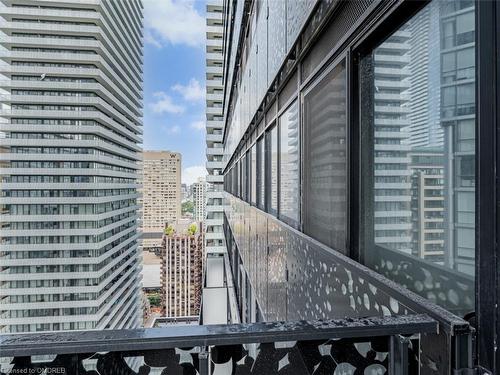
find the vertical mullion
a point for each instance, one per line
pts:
(352, 228)
(486, 221)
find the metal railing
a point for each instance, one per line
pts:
(367, 345)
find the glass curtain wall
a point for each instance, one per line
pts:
(289, 207)
(325, 160)
(419, 175)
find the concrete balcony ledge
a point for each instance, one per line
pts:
(214, 165)
(215, 178)
(214, 138)
(155, 347)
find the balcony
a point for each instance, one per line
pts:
(214, 97)
(297, 278)
(214, 83)
(215, 178)
(214, 138)
(214, 235)
(363, 344)
(215, 124)
(215, 165)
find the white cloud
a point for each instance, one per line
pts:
(173, 129)
(165, 104)
(191, 174)
(191, 92)
(149, 38)
(198, 125)
(173, 22)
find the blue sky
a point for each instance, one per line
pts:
(174, 81)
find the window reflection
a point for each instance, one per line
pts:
(261, 173)
(253, 174)
(422, 184)
(325, 162)
(289, 164)
(272, 168)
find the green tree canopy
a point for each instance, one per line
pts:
(187, 206)
(192, 229)
(169, 230)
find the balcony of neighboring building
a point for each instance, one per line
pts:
(213, 123)
(213, 143)
(215, 178)
(214, 17)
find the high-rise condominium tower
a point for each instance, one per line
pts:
(181, 269)
(161, 194)
(199, 190)
(70, 133)
(214, 60)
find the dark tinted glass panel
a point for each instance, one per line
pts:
(243, 177)
(261, 173)
(325, 173)
(419, 177)
(289, 164)
(272, 170)
(253, 174)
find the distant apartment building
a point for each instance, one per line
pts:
(181, 269)
(199, 190)
(428, 203)
(184, 192)
(71, 133)
(214, 94)
(161, 194)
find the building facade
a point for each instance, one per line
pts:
(357, 137)
(71, 81)
(199, 191)
(161, 194)
(214, 197)
(181, 269)
(458, 120)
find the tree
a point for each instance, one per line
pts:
(169, 230)
(187, 206)
(154, 299)
(192, 229)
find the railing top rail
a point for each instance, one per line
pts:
(74, 342)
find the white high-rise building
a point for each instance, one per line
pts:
(199, 190)
(214, 237)
(71, 79)
(425, 128)
(392, 183)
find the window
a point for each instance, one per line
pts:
(325, 163)
(289, 165)
(272, 170)
(253, 175)
(425, 181)
(244, 177)
(261, 173)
